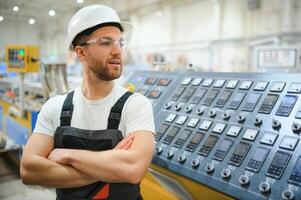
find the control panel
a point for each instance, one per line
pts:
(237, 133)
(22, 58)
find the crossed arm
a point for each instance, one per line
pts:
(66, 168)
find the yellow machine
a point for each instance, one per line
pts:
(22, 58)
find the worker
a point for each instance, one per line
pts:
(97, 141)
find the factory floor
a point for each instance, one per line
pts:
(11, 187)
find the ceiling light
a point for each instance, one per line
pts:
(31, 21)
(79, 1)
(51, 13)
(1, 18)
(16, 8)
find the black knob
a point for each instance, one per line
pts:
(226, 115)
(296, 127)
(257, 121)
(159, 150)
(241, 118)
(276, 124)
(182, 158)
(170, 154)
(264, 187)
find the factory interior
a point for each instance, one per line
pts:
(222, 78)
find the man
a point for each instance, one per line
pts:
(96, 142)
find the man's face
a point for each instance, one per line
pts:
(104, 53)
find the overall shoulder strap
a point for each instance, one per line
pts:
(116, 110)
(67, 110)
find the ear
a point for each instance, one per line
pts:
(81, 53)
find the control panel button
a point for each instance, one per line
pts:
(207, 82)
(289, 142)
(264, 187)
(250, 134)
(196, 81)
(195, 163)
(257, 121)
(245, 85)
(298, 113)
(277, 87)
(295, 88)
(278, 164)
(219, 83)
(212, 113)
(171, 117)
(189, 108)
(276, 124)
(182, 158)
(296, 127)
(200, 111)
(186, 81)
(269, 138)
(219, 128)
(154, 94)
(169, 154)
(226, 115)
(244, 180)
(162, 130)
(287, 195)
(234, 131)
(193, 122)
(295, 177)
(150, 80)
(286, 106)
(205, 125)
(181, 120)
(226, 173)
(261, 86)
(232, 84)
(209, 168)
(268, 103)
(164, 82)
(159, 150)
(241, 118)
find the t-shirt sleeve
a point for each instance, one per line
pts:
(46, 118)
(139, 115)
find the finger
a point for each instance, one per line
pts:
(123, 142)
(128, 146)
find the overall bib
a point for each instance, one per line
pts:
(96, 140)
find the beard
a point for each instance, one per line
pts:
(104, 71)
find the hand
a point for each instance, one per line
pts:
(126, 143)
(60, 156)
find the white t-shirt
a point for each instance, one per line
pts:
(137, 113)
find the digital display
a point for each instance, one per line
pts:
(173, 131)
(260, 154)
(189, 92)
(295, 176)
(286, 105)
(211, 96)
(268, 103)
(211, 141)
(223, 98)
(225, 145)
(270, 99)
(281, 158)
(163, 128)
(185, 134)
(253, 98)
(198, 96)
(179, 91)
(242, 149)
(197, 137)
(239, 96)
(16, 58)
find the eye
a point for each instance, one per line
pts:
(106, 42)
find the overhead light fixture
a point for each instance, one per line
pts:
(31, 21)
(16, 8)
(51, 13)
(79, 1)
(1, 18)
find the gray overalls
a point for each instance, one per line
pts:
(95, 140)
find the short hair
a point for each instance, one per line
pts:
(82, 36)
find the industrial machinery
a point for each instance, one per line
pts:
(226, 135)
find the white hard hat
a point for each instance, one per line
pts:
(91, 16)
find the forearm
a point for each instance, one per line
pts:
(110, 166)
(38, 170)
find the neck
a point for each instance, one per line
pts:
(94, 89)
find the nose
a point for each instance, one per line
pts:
(116, 48)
